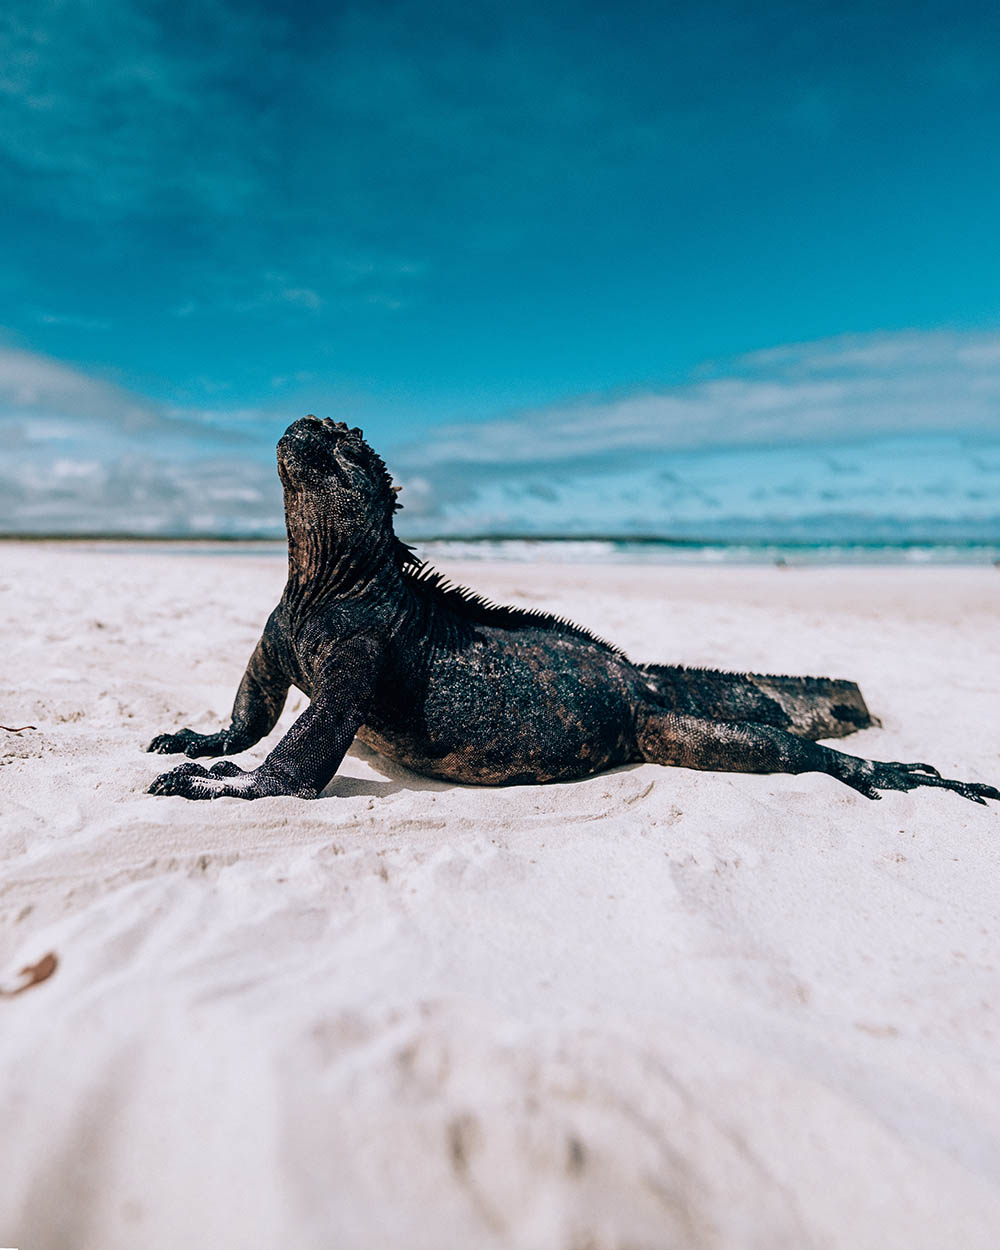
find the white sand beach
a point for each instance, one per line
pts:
(655, 1009)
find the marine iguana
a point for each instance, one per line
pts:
(459, 688)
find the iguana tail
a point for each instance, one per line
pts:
(811, 707)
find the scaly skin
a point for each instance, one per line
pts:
(458, 688)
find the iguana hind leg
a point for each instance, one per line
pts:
(811, 707)
(688, 742)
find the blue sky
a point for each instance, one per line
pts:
(493, 235)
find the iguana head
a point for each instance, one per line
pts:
(339, 497)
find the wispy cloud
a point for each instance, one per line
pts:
(883, 434)
(302, 297)
(213, 145)
(849, 387)
(37, 388)
(73, 321)
(110, 105)
(349, 283)
(84, 455)
(902, 429)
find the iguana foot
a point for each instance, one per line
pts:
(913, 768)
(874, 775)
(187, 742)
(224, 780)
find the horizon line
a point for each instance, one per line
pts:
(638, 540)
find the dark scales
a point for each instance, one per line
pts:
(462, 689)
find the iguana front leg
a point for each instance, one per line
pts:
(309, 754)
(690, 742)
(258, 704)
